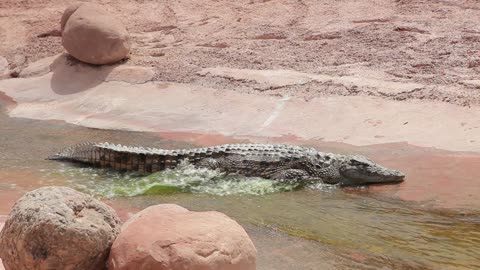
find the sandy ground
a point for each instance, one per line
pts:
(432, 46)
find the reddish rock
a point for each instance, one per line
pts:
(58, 228)
(67, 13)
(169, 237)
(154, 210)
(93, 36)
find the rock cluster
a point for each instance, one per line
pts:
(92, 35)
(58, 228)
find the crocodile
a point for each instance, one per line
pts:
(279, 162)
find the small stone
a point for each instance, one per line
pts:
(58, 228)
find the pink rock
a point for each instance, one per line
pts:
(92, 35)
(156, 209)
(169, 237)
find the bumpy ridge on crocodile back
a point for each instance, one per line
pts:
(146, 160)
(77, 152)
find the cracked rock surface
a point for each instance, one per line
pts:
(58, 228)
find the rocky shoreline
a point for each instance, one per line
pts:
(60, 228)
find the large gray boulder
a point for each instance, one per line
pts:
(92, 35)
(58, 228)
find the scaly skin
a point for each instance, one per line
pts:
(281, 162)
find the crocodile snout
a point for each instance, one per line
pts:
(395, 176)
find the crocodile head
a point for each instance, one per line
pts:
(359, 170)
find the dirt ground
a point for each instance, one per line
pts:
(434, 44)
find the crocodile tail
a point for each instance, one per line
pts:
(72, 152)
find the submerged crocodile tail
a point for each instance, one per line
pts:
(127, 158)
(78, 152)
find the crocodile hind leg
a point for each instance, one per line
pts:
(291, 176)
(209, 163)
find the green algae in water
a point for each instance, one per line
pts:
(185, 178)
(153, 189)
(161, 189)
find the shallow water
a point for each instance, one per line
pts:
(318, 227)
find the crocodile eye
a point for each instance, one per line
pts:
(360, 161)
(355, 162)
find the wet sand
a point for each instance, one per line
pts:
(171, 107)
(435, 178)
